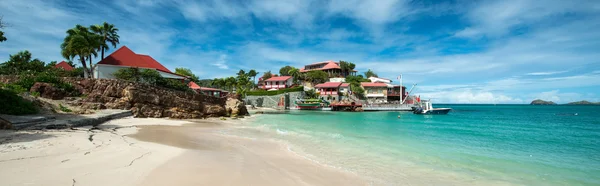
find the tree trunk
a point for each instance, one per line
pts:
(85, 69)
(102, 54)
(91, 68)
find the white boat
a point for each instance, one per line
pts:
(427, 109)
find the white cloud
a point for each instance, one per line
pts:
(221, 62)
(498, 17)
(545, 73)
(469, 96)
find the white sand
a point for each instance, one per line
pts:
(68, 156)
(187, 155)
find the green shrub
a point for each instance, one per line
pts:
(35, 94)
(151, 77)
(63, 108)
(275, 92)
(17, 89)
(26, 81)
(11, 103)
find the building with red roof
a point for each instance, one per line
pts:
(330, 67)
(329, 90)
(206, 90)
(64, 65)
(375, 92)
(278, 82)
(126, 58)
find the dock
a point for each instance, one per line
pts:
(388, 107)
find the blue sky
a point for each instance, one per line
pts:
(506, 51)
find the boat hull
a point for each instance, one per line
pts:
(437, 111)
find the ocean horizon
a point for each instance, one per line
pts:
(475, 144)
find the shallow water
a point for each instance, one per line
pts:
(474, 144)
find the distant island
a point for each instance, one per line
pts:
(542, 102)
(584, 102)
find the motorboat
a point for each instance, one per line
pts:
(426, 108)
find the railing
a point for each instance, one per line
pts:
(274, 86)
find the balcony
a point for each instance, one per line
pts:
(329, 93)
(274, 86)
(394, 93)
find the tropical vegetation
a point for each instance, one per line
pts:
(241, 84)
(187, 72)
(108, 34)
(2, 25)
(84, 43)
(151, 77)
(347, 67)
(369, 73)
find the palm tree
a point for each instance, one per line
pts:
(252, 73)
(109, 35)
(80, 42)
(294, 72)
(230, 82)
(241, 72)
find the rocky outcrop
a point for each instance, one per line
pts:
(235, 107)
(542, 102)
(4, 124)
(143, 100)
(47, 90)
(147, 101)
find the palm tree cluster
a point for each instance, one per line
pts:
(86, 42)
(240, 84)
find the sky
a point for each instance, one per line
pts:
(495, 51)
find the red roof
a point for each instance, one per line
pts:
(279, 78)
(366, 84)
(345, 85)
(329, 85)
(64, 65)
(210, 89)
(126, 57)
(193, 85)
(329, 65)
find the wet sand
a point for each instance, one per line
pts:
(211, 158)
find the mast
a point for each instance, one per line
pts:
(401, 92)
(411, 89)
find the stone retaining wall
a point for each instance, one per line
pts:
(273, 101)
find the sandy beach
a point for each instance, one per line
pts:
(135, 151)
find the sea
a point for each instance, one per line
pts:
(472, 145)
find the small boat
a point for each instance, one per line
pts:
(427, 109)
(311, 104)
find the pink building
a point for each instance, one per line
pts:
(278, 82)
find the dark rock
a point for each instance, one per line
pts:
(4, 124)
(47, 90)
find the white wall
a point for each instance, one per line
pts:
(343, 80)
(106, 71)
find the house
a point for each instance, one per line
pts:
(375, 92)
(329, 90)
(64, 65)
(126, 58)
(206, 90)
(278, 82)
(330, 67)
(394, 92)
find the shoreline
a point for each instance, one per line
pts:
(136, 151)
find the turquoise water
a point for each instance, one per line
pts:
(474, 144)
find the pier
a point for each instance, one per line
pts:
(388, 107)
